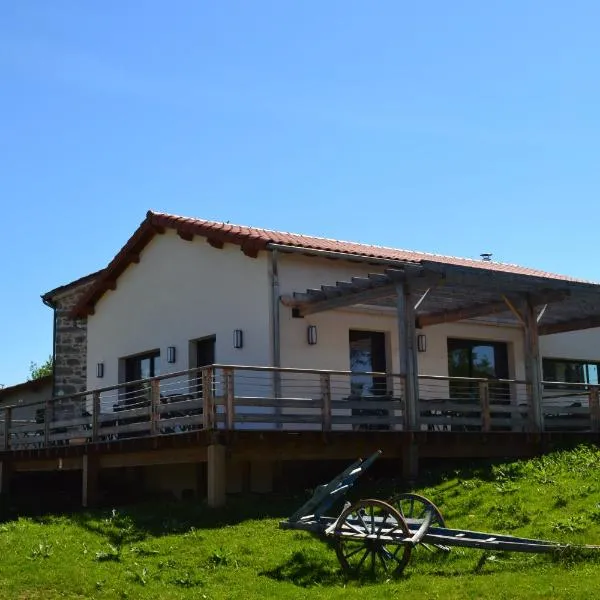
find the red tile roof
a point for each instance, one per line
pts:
(49, 296)
(252, 240)
(33, 385)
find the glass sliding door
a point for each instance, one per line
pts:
(478, 359)
(368, 355)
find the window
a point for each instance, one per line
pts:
(471, 358)
(141, 366)
(477, 359)
(570, 371)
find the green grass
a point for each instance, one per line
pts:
(188, 551)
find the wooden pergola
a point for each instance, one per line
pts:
(429, 293)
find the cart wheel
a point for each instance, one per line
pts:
(368, 538)
(413, 508)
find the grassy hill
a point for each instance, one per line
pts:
(187, 551)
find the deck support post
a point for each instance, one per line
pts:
(89, 483)
(533, 363)
(216, 475)
(594, 401)
(410, 460)
(5, 485)
(5, 477)
(408, 356)
(261, 476)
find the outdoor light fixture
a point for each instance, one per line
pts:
(100, 370)
(311, 334)
(422, 342)
(171, 354)
(238, 338)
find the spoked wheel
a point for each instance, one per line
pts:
(414, 508)
(368, 536)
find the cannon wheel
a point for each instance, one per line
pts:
(414, 507)
(358, 539)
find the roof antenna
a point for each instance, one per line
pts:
(486, 256)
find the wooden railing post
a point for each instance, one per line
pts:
(7, 426)
(228, 382)
(47, 421)
(484, 398)
(405, 416)
(326, 400)
(95, 415)
(208, 398)
(154, 406)
(595, 408)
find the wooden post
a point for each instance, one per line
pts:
(261, 476)
(326, 401)
(484, 398)
(410, 460)
(408, 356)
(5, 481)
(208, 398)
(47, 421)
(95, 415)
(229, 398)
(7, 426)
(89, 483)
(154, 406)
(595, 407)
(216, 475)
(533, 365)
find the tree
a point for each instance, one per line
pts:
(43, 370)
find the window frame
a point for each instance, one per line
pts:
(134, 394)
(555, 383)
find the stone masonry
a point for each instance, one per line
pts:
(70, 343)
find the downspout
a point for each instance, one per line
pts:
(51, 305)
(275, 327)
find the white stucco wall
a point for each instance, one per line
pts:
(581, 345)
(178, 292)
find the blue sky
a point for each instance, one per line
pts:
(452, 127)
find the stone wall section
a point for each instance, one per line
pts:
(70, 344)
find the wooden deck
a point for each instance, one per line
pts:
(224, 415)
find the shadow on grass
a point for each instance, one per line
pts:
(135, 523)
(306, 569)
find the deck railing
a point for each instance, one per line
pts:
(473, 404)
(224, 397)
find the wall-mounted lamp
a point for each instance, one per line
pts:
(311, 334)
(100, 370)
(238, 338)
(171, 354)
(422, 342)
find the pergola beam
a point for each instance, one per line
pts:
(501, 281)
(310, 308)
(459, 314)
(483, 309)
(572, 325)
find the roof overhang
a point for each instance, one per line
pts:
(443, 293)
(33, 385)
